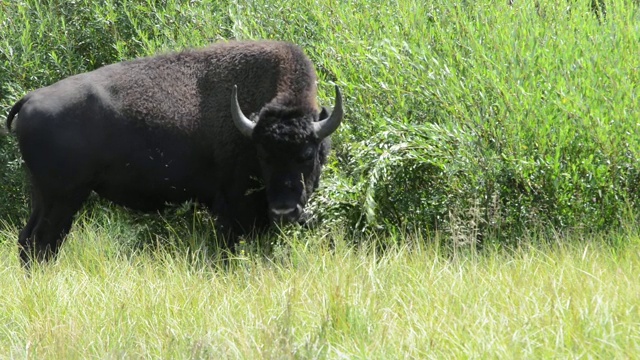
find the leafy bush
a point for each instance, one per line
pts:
(13, 201)
(496, 121)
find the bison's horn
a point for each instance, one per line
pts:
(326, 127)
(242, 123)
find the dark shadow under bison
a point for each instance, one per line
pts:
(169, 129)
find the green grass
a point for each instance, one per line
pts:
(492, 151)
(305, 300)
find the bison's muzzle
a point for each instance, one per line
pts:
(283, 215)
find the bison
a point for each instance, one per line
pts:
(172, 128)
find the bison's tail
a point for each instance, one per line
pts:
(14, 110)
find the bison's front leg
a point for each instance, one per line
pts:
(240, 214)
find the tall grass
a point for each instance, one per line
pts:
(104, 300)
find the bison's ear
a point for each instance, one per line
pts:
(324, 113)
(323, 151)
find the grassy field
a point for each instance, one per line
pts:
(491, 150)
(578, 299)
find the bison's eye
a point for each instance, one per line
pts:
(306, 156)
(264, 158)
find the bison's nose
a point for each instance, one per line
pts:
(286, 214)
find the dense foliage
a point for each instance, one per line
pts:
(481, 119)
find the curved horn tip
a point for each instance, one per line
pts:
(244, 125)
(338, 101)
(326, 127)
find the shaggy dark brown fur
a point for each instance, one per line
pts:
(158, 130)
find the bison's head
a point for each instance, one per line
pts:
(292, 145)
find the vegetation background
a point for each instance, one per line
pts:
(511, 126)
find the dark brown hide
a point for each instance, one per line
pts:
(158, 130)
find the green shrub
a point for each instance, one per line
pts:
(489, 120)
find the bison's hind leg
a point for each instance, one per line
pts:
(24, 238)
(50, 221)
